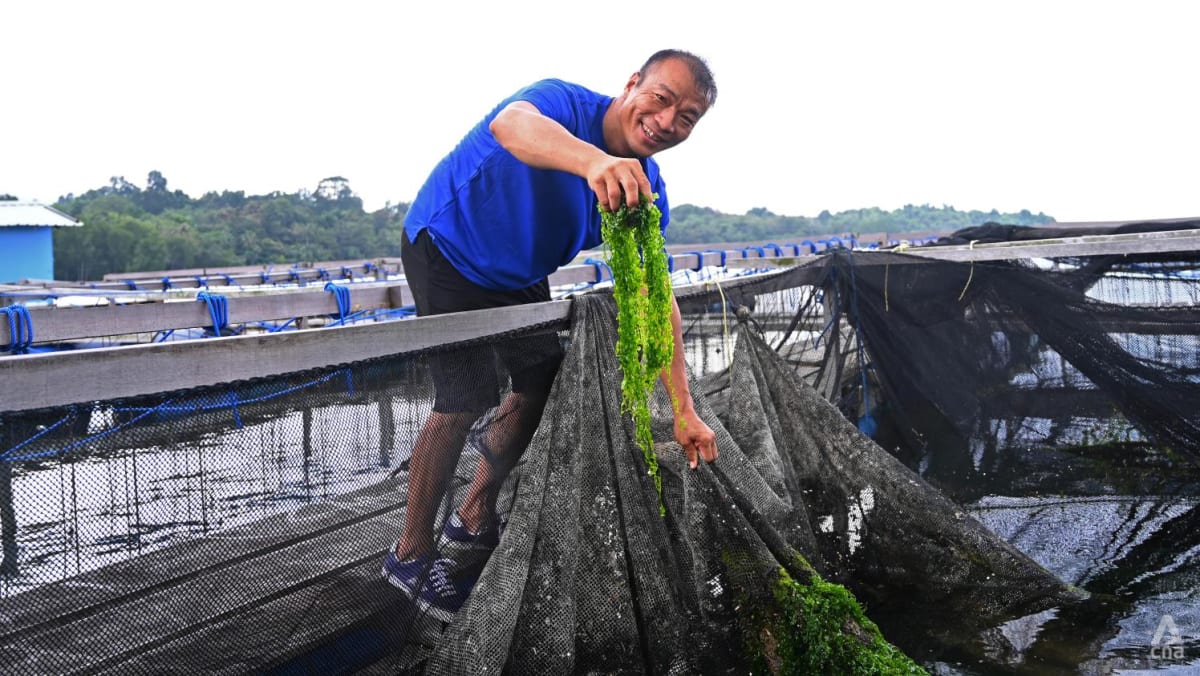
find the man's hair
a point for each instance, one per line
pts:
(699, 67)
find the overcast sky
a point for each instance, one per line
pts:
(1081, 110)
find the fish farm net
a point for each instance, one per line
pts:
(962, 467)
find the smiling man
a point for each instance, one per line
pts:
(514, 201)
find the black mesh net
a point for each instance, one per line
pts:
(967, 448)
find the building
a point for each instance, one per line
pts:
(27, 241)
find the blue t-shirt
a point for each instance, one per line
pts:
(503, 224)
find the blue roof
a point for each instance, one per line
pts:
(31, 214)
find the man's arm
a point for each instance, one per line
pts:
(697, 439)
(542, 142)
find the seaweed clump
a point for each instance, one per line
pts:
(808, 625)
(637, 256)
(822, 630)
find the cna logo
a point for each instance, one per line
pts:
(1166, 644)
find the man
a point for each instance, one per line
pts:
(511, 203)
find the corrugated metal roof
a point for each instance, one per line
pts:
(29, 214)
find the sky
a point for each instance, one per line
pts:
(1086, 111)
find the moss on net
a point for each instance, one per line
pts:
(811, 626)
(637, 256)
(822, 630)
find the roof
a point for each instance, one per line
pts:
(31, 214)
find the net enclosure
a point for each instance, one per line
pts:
(891, 430)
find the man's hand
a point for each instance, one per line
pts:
(697, 439)
(610, 177)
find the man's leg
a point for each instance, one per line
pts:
(532, 362)
(434, 456)
(505, 439)
(438, 288)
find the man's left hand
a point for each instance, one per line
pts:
(697, 439)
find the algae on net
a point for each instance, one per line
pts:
(809, 625)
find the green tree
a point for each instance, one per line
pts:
(127, 228)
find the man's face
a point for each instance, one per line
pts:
(659, 110)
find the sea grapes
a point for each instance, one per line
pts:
(642, 288)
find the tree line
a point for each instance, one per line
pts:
(130, 229)
(692, 224)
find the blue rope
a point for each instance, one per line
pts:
(218, 310)
(5, 455)
(166, 282)
(722, 252)
(351, 318)
(264, 277)
(229, 279)
(20, 328)
(347, 273)
(699, 259)
(233, 406)
(132, 285)
(342, 295)
(600, 266)
(201, 282)
(168, 406)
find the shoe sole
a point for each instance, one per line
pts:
(424, 606)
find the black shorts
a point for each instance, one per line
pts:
(466, 379)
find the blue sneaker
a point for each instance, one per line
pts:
(433, 584)
(456, 538)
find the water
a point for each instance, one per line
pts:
(90, 511)
(1106, 543)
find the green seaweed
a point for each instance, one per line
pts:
(822, 630)
(637, 256)
(813, 627)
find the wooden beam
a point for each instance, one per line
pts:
(1174, 241)
(179, 311)
(254, 272)
(52, 325)
(59, 378)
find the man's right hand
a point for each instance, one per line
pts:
(611, 177)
